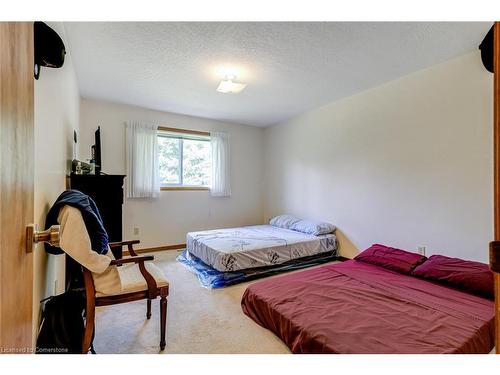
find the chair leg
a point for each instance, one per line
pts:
(89, 325)
(163, 321)
(148, 313)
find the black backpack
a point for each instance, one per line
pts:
(62, 325)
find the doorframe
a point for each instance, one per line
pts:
(495, 245)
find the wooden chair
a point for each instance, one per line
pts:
(150, 292)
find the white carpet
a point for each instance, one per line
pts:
(199, 320)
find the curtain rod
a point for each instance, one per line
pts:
(185, 131)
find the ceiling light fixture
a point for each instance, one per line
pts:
(227, 86)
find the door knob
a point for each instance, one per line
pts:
(33, 236)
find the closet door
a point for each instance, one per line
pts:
(16, 185)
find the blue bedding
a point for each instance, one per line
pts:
(211, 278)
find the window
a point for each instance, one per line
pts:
(184, 159)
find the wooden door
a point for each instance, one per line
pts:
(16, 184)
(495, 245)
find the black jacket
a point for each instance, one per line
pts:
(91, 216)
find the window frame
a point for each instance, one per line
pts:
(182, 134)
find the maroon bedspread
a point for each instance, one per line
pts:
(353, 307)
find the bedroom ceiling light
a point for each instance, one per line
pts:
(227, 86)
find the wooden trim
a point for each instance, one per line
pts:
(159, 248)
(495, 256)
(183, 131)
(496, 281)
(184, 188)
(496, 129)
(496, 178)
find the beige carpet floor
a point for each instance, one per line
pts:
(199, 320)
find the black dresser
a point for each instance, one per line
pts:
(107, 192)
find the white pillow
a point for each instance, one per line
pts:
(315, 228)
(284, 221)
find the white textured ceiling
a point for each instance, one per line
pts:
(289, 67)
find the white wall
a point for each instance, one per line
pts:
(57, 103)
(405, 164)
(165, 221)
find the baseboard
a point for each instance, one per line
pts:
(158, 248)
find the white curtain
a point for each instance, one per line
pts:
(221, 184)
(143, 180)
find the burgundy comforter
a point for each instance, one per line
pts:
(353, 307)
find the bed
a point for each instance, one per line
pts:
(355, 307)
(243, 248)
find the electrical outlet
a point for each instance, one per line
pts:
(421, 250)
(136, 231)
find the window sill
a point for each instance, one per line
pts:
(184, 188)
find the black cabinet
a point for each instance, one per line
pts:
(107, 192)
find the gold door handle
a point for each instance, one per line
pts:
(33, 236)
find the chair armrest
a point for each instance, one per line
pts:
(124, 243)
(150, 280)
(117, 262)
(129, 244)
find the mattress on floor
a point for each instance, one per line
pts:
(211, 278)
(354, 307)
(233, 249)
